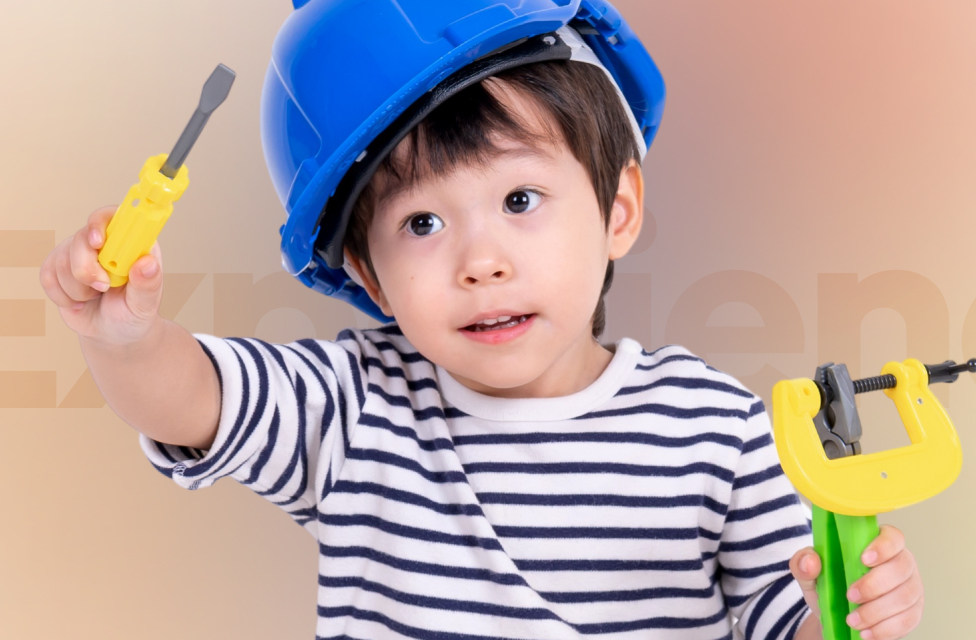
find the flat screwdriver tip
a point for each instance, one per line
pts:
(216, 88)
(215, 91)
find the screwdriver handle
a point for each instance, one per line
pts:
(139, 219)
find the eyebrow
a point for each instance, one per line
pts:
(521, 151)
(524, 151)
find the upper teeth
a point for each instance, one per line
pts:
(491, 321)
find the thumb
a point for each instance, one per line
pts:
(145, 286)
(805, 567)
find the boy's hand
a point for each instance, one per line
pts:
(890, 595)
(77, 283)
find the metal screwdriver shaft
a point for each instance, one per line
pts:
(215, 91)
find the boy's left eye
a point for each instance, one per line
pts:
(522, 200)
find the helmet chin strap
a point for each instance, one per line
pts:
(583, 53)
(353, 275)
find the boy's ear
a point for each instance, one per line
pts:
(369, 283)
(627, 214)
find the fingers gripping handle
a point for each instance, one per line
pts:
(139, 219)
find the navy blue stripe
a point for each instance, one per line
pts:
(709, 535)
(316, 349)
(235, 441)
(608, 565)
(394, 400)
(453, 413)
(299, 457)
(511, 579)
(604, 533)
(645, 352)
(765, 600)
(600, 467)
(755, 478)
(517, 613)
(602, 500)
(399, 627)
(329, 413)
(686, 383)
(759, 542)
(406, 497)
(299, 454)
(296, 461)
(265, 454)
(338, 392)
(662, 622)
(405, 531)
(213, 361)
(443, 604)
(762, 508)
(587, 629)
(663, 361)
(391, 371)
(667, 410)
(633, 595)
(753, 572)
(784, 619)
(374, 455)
(273, 351)
(756, 443)
(791, 634)
(298, 385)
(390, 329)
(188, 453)
(163, 449)
(757, 408)
(380, 422)
(408, 357)
(599, 436)
(426, 568)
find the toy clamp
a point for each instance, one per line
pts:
(817, 431)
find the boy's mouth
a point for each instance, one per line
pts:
(497, 323)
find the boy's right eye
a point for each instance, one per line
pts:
(424, 224)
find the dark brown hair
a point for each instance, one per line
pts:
(578, 98)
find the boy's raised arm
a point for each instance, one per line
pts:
(164, 386)
(152, 372)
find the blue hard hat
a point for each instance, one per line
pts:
(348, 79)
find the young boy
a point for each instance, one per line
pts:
(483, 467)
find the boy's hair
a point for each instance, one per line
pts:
(577, 97)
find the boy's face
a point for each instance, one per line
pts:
(523, 236)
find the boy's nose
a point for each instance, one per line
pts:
(484, 268)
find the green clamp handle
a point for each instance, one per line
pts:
(840, 540)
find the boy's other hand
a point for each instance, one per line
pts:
(77, 283)
(890, 595)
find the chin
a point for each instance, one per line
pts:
(495, 379)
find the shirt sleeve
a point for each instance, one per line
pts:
(765, 525)
(286, 413)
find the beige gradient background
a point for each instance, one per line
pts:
(812, 190)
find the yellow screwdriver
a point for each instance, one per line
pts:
(162, 180)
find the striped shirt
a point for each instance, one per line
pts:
(651, 504)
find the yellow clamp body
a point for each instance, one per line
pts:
(872, 483)
(139, 219)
